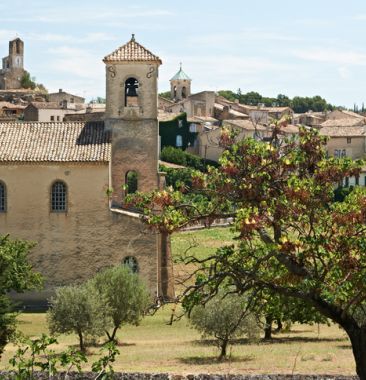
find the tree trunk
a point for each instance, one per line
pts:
(268, 328)
(279, 326)
(81, 342)
(223, 347)
(357, 336)
(112, 337)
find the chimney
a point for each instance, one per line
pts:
(60, 90)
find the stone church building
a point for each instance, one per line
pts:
(55, 177)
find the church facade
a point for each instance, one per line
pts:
(56, 178)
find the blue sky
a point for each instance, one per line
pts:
(293, 47)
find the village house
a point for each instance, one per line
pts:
(75, 174)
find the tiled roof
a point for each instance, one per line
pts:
(244, 124)
(343, 131)
(46, 105)
(131, 51)
(9, 105)
(54, 142)
(347, 122)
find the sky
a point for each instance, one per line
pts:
(303, 48)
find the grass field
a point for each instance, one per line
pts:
(155, 346)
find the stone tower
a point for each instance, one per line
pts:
(180, 86)
(131, 114)
(13, 66)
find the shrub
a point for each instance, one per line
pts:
(77, 309)
(224, 318)
(125, 294)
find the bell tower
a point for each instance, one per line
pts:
(180, 86)
(132, 117)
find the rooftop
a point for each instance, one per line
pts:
(181, 75)
(358, 131)
(54, 142)
(132, 51)
(346, 122)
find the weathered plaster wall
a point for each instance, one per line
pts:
(73, 246)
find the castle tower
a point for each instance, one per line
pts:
(131, 114)
(180, 86)
(13, 66)
(16, 54)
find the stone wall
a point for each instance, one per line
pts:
(166, 376)
(72, 246)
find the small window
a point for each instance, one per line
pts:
(52, 118)
(349, 140)
(179, 141)
(2, 197)
(131, 182)
(357, 180)
(193, 128)
(58, 118)
(184, 92)
(346, 182)
(131, 263)
(59, 197)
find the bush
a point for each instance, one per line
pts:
(125, 294)
(225, 318)
(77, 309)
(180, 157)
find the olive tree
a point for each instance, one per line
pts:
(125, 295)
(77, 309)
(224, 318)
(292, 238)
(16, 274)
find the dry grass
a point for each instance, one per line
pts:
(155, 346)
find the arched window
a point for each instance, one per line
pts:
(131, 92)
(2, 197)
(179, 141)
(59, 197)
(184, 92)
(131, 182)
(175, 92)
(131, 263)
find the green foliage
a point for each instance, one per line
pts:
(29, 82)
(34, 355)
(166, 95)
(224, 318)
(16, 274)
(125, 295)
(299, 104)
(131, 182)
(178, 178)
(168, 131)
(293, 239)
(180, 157)
(78, 309)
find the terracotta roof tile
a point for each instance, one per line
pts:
(346, 122)
(358, 131)
(54, 142)
(131, 51)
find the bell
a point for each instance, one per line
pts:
(131, 91)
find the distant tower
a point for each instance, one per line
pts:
(16, 54)
(180, 86)
(13, 66)
(131, 114)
